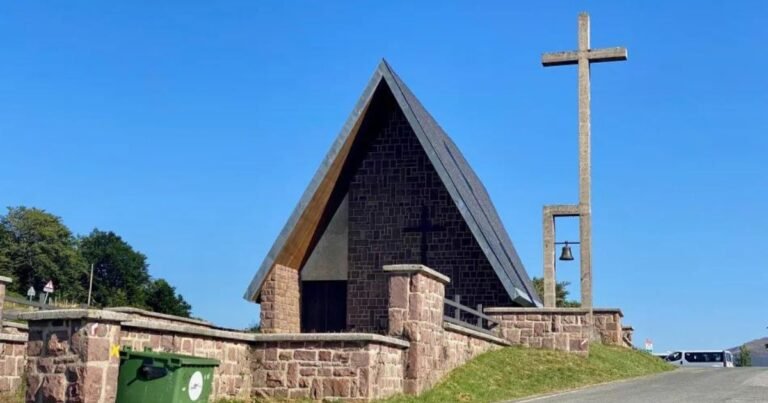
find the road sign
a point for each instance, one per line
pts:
(48, 287)
(31, 292)
(649, 345)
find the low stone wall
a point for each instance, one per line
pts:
(608, 325)
(232, 378)
(565, 329)
(73, 355)
(328, 366)
(462, 344)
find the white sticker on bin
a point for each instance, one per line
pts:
(195, 388)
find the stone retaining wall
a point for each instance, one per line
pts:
(360, 370)
(608, 325)
(73, 355)
(565, 329)
(232, 378)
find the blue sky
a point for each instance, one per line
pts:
(191, 129)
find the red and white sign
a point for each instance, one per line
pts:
(48, 287)
(648, 345)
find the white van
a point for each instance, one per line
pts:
(701, 358)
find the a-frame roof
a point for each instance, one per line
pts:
(465, 188)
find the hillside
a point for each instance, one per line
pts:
(516, 372)
(757, 349)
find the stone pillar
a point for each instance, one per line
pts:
(280, 301)
(550, 283)
(626, 335)
(549, 214)
(4, 281)
(415, 313)
(73, 355)
(13, 351)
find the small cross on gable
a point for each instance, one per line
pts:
(424, 228)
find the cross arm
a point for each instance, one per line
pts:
(593, 55)
(607, 55)
(559, 58)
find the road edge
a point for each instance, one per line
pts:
(534, 398)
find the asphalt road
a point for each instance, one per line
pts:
(700, 385)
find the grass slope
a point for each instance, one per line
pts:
(516, 372)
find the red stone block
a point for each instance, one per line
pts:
(336, 387)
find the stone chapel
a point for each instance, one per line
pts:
(393, 189)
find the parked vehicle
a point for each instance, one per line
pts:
(661, 355)
(701, 358)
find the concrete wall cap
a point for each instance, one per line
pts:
(417, 268)
(265, 337)
(53, 314)
(536, 311)
(17, 325)
(474, 333)
(608, 310)
(150, 314)
(309, 337)
(188, 329)
(14, 338)
(5, 280)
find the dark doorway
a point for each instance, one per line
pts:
(323, 306)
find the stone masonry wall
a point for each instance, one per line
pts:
(565, 329)
(391, 187)
(280, 304)
(232, 378)
(327, 370)
(461, 346)
(13, 359)
(71, 360)
(416, 306)
(608, 326)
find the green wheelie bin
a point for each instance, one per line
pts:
(152, 377)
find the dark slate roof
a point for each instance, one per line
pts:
(465, 188)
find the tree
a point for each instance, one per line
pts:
(561, 293)
(120, 274)
(162, 298)
(35, 247)
(744, 358)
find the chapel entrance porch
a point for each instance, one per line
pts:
(323, 306)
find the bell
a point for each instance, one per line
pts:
(566, 253)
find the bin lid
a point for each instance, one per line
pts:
(171, 359)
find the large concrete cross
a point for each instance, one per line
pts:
(583, 56)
